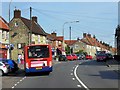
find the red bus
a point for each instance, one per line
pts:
(38, 58)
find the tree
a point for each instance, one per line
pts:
(67, 49)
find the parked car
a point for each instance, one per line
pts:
(3, 68)
(80, 56)
(74, 57)
(69, 57)
(88, 57)
(13, 67)
(62, 58)
(109, 56)
(101, 57)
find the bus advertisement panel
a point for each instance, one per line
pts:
(38, 58)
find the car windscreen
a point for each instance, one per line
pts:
(38, 52)
(100, 55)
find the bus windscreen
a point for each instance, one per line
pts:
(38, 52)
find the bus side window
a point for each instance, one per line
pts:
(30, 54)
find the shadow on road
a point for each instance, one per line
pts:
(93, 63)
(19, 73)
(37, 74)
(110, 74)
(102, 63)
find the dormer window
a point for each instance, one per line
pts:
(16, 24)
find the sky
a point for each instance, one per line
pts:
(96, 18)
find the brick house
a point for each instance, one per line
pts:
(56, 42)
(22, 33)
(117, 35)
(4, 39)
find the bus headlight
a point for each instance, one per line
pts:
(27, 65)
(50, 64)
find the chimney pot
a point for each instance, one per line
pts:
(54, 34)
(89, 35)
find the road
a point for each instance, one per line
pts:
(72, 74)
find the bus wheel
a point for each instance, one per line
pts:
(26, 74)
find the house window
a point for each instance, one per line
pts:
(7, 35)
(16, 24)
(3, 34)
(20, 45)
(38, 38)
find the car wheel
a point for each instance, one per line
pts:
(1, 73)
(98, 61)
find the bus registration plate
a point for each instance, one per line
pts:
(39, 68)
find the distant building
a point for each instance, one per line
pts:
(93, 45)
(22, 31)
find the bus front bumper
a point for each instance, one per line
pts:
(43, 69)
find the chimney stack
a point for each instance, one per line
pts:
(54, 34)
(34, 18)
(17, 13)
(84, 35)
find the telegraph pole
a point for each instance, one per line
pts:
(70, 39)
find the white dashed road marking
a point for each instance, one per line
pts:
(73, 78)
(13, 87)
(79, 86)
(19, 82)
(71, 74)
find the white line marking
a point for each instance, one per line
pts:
(75, 73)
(71, 74)
(21, 80)
(13, 87)
(79, 86)
(73, 78)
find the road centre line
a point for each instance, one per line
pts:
(79, 86)
(13, 87)
(73, 78)
(75, 73)
(18, 82)
(71, 74)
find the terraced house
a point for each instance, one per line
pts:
(23, 31)
(4, 39)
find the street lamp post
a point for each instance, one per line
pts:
(63, 29)
(9, 35)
